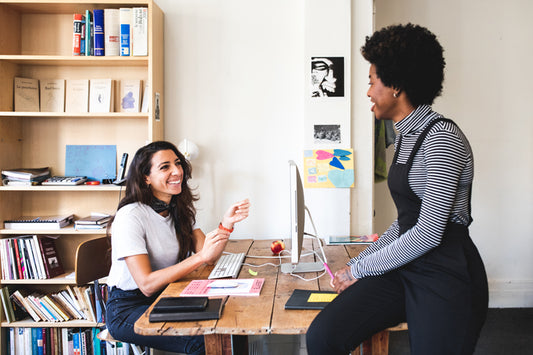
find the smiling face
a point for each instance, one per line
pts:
(166, 175)
(385, 105)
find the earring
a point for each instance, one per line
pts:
(395, 95)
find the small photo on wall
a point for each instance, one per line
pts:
(327, 76)
(327, 134)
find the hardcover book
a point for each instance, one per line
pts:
(139, 32)
(89, 33)
(76, 36)
(212, 311)
(99, 38)
(52, 262)
(309, 299)
(112, 32)
(125, 31)
(101, 95)
(53, 95)
(130, 94)
(26, 93)
(77, 95)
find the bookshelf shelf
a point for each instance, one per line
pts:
(36, 42)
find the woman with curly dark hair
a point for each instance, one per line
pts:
(425, 269)
(154, 241)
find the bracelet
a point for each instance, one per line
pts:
(220, 226)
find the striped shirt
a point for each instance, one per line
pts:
(441, 176)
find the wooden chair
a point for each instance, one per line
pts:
(379, 343)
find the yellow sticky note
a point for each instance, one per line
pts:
(321, 297)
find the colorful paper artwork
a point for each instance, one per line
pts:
(328, 168)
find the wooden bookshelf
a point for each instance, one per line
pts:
(36, 42)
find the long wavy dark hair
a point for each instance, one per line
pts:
(182, 208)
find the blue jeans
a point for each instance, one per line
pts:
(123, 308)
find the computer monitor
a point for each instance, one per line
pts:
(297, 225)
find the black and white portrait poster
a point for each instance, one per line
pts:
(327, 76)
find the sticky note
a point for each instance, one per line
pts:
(321, 297)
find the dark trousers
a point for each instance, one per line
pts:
(442, 295)
(123, 308)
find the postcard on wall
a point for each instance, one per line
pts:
(333, 168)
(327, 77)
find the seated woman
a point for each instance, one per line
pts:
(155, 242)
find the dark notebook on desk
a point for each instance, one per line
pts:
(309, 299)
(181, 312)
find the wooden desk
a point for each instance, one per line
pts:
(256, 315)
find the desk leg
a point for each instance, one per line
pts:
(217, 344)
(377, 345)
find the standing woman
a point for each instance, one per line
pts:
(155, 242)
(424, 269)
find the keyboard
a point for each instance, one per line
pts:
(228, 265)
(65, 180)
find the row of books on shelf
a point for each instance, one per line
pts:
(72, 303)
(63, 341)
(30, 176)
(79, 95)
(111, 32)
(30, 257)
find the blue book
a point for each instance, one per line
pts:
(76, 341)
(99, 38)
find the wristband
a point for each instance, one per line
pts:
(220, 226)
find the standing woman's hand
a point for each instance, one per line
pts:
(235, 213)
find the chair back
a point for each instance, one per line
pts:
(93, 260)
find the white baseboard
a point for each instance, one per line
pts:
(510, 293)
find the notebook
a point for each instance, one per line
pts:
(213, 310)
(309, 299)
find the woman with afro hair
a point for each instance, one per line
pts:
(424, 270)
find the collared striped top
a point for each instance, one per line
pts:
(441, 176)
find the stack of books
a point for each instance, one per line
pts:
(39, 223)
(25, 177)
(94, 221)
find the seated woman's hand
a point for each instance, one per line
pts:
(214, 245)
(236, 213)
(343, 279)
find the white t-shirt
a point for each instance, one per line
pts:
(138, 229)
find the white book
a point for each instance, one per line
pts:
(101, 95)
(52, 95)
(139, 32)
(26, 93)
(77, 95)
(145, 108)
(125, 31)
(112, 32)
(130, 95)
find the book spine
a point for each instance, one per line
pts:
(99, 38)
(112, 32)
(76, 39)
(125, 31)
(88, 31)
(18, 254)
(139, 34)
(82, 36)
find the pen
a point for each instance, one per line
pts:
(329, 271)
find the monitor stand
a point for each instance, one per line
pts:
(289, 268)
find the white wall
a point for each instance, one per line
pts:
(233, 85)
(487, 91)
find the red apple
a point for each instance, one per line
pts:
(277, 246)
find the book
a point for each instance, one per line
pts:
(309, 299)
(99, 38)
(6, 305)
(145, 108)
(101, 95)
(76, 34)
(77, 95)
(26, 174)
(353, 239)
(130, 94)
(213, 310)
(89, 45)
(26, 94)
(52, 262)
(112, 32)
(37, 223)
(180, 304)
(94, 219)
(223, 287)
(125, 31)
(82, 37)
(52, 95)
(139, 31)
